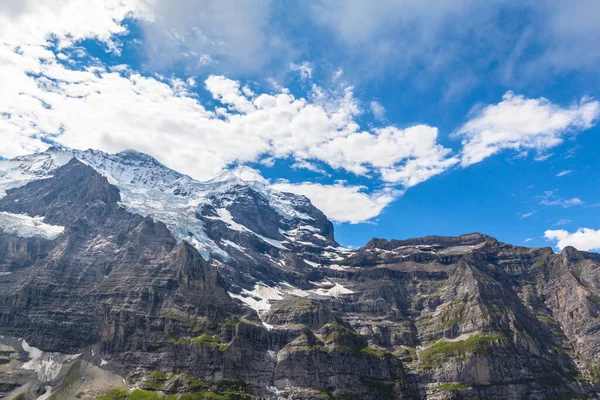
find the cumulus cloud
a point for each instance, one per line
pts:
(114, 109)
(35, 22)
(341, 202)
(583, 239)
(522, 124)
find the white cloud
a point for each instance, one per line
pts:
(402, 156)
(550, 199)
(563, 173)
(249, 174)
(583, 239)
(307, 165)
(343, 203)
(304, 69)
(378, 110)
(561, 222)
(527, 215)
(339, 201)
(528, 240)
(522, 124)
(563, 202)
(32, 21)
(117, 109)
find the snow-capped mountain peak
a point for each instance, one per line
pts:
(150, 188)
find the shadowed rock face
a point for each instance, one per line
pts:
(110, 273)
(283, 312)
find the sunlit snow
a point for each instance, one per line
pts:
(26, 226)
(151, 189)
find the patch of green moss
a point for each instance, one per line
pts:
(373, 351)
(205, 339)
(541, 261)
(321, 393)
(318, 347)
(207, 395)
(451, 387)
(336, 331)
(230, 322)
(198, 324)
(544, 319)
(412, 352)
(580, 377)
(194, 383)
(491, 310)
(114, 394)
(248, 322)
(303, 304)
(173, 316)
(474, 344)
(449, 316)
(139, 394)
(69, 382)
(155, 381)
(238, 386)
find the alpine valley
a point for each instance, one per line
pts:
(123, 279)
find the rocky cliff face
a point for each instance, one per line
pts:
(114, 266)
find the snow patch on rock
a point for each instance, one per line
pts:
(46, 365)
(25, 226)
(336, 291)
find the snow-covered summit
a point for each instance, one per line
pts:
(150, 188)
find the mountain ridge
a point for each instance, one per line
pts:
(280, 309)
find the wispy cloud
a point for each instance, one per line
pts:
(565, 172)
(304, 69)
(378, 110)
(307, 165)
(550, 199)
(562, 222)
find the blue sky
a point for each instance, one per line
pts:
(398, 119)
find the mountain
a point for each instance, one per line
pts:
(121, 278)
